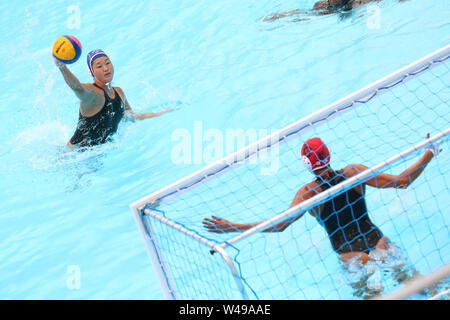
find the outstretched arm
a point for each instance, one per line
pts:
(402, 180)
(146, 115)
(219, 225)
(280, 15)
(320, 7)
(136, 115)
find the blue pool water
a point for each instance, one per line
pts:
(219, 62)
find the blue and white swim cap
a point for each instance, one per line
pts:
(94, 54)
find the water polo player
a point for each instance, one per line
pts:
(353, 236)
(102, 106)
(326, 7)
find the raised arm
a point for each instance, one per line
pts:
(88, 96)
(219, 225)
(402, 180)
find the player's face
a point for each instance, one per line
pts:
(103, 69)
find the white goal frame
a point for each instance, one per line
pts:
(241, 156)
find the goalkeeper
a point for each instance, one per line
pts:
(345, 218)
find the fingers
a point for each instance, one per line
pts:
(58, 63)
(433, 147)
(213, 228)
(216, 224)
(207, 223)
(210, 221)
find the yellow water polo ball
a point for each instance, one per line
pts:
(67, 49)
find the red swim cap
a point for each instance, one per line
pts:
(315, 154)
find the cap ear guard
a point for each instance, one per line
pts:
(89, 71)
(307, 163)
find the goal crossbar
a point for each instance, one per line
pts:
(352, 100)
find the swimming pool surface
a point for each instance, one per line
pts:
(220, 63)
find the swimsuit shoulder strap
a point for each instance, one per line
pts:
(104, 92)
(98, 87)
(106, 95)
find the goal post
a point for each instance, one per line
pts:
(192, 263)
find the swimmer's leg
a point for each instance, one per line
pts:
(403, 271)
(391, 254)
(406, 273)
(369, 284)
(365, 280)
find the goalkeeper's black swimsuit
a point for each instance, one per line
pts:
(98, 128)
(346, 220)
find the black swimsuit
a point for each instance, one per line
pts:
(98, 128)
(346, 220)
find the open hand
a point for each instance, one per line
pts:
(218, 225)
(58, 63)
(434, 147)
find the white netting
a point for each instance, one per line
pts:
(300, 263)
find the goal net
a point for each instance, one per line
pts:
(383, 126)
